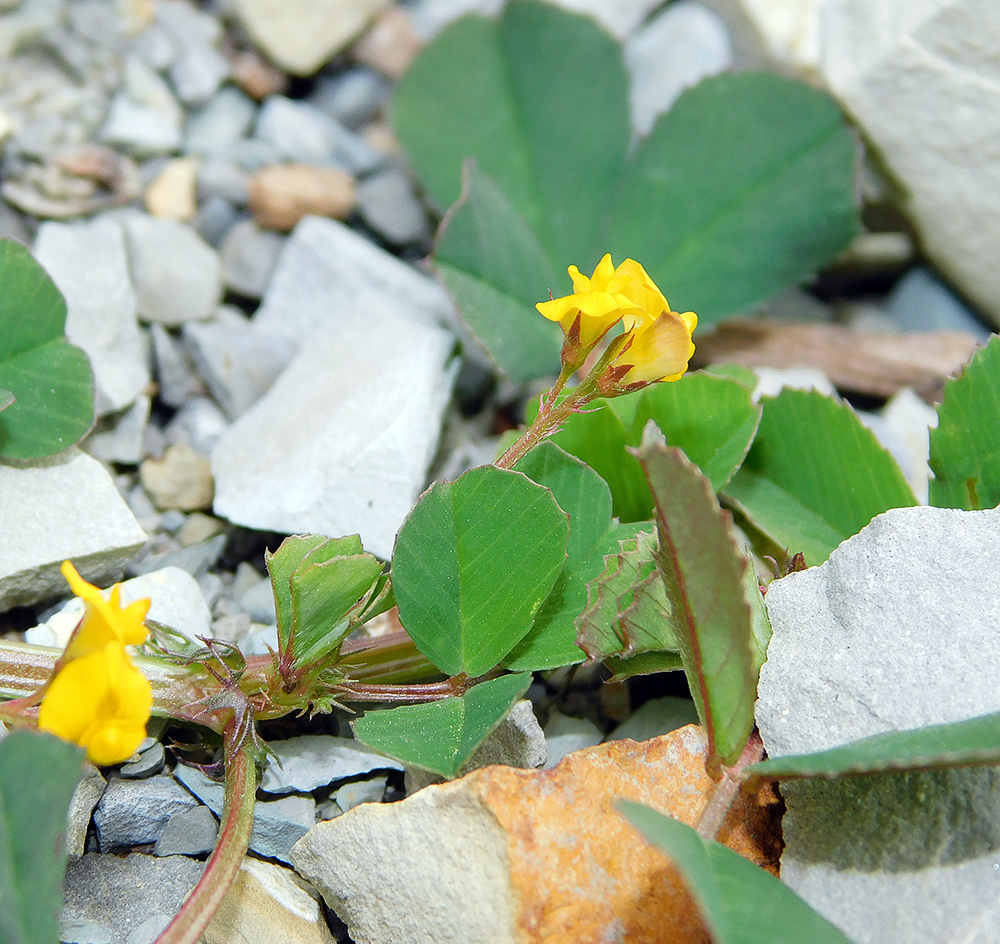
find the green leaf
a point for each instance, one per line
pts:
(815, 475)
(539, 98)
(38, 774)
(473, 562)
(746, 186)
(713, 419)
(49, 378)
(739, 902)
(495, 268)
(441, 735)
(957, 744)
(703, 571)
(646, 663)
(760, 624)
(965, 446)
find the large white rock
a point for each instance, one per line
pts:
(64, 507)
(89, 265)
(899, 629)
(923, 81)
(343, 440)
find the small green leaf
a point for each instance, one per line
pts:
(739, 902)
(473, 562)
(38, 774)
(50, 379)
(441, 735)
(965, 457)
(760, 623)
(711, 418)
(746, 186)
(496, 270)
(957, 744)
(508, 93)
(646, 663)
(815, 475)
(703, 571)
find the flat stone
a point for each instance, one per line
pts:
(89, 264)
(357, 792)
(214, 128)
(134, 812)
(922, 82)
(352, 97)
(180, 479)
(198, 424)
(173, 193)
(144, 117)
(249, 255)
(268, 903)
(390, 45)
(656, 717)
(191, 832)
(387, 203)
(311, 761)
(890, 634)
(301, 35)
(506, 855)
(119, 437)
(177, 275)
(150, 763)
(81, 807)
(122, 894)
(368, 419)
(199, 68)
(920, 302)
(62, 508)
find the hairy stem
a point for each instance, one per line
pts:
(404, 694)
(728, 788)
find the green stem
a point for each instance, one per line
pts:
(550, 418)
(201, 905)
(728, 788)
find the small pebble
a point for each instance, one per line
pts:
(191, 833)
(172, 195)
(150, 762)
(181, 479)
(281, 195)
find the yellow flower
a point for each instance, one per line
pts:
(97, 698)
(653, 351)
(596, 305)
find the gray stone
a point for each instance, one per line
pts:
(920, 302)
(258, 601)
(150, 760)
(64, 507)
(387, 203)
(357, 792)
(81, 807)
(119, 437)
(249, 255)
(312, 761)
(890, 633)
(351, 97)
(175, 372)
(149, 930)
(74, 931)
(177, 275)
(216, 127)
(156, 47)
(199, 68)
(368, 420)
(679, 47)
(191, 832)
(122, 894)
(655, 717)
(89, 265)
(198, 423)
(218, 177)
(144, 116)
(564, 734)
(215, 218)
(134, 812)
(195, 559)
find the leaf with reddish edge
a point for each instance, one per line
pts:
(703, 571)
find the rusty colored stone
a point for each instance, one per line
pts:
(281, 195)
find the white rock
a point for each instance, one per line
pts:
(389, 206)
(312, 761)
(677, 49)
(199, 68)
(300, 35)
(144, 116)
(772, 380)
(919, 302)
(177, 275)
(249, 255)
(923, 81)
(220, 123)
(894, 631)
(564, 734)
(64, 507)
(175, 373)
(910, 419)
(81, 806)
(88, 263)
(343, 440)
(120, 438)
(300, 131)
(786, 32)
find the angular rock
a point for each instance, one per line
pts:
(268, 903)
(387, 203)
(150, 762)
(64, 507)
(280, 196)
(81, 807)
(89, 265)
(199, 68)
(124, 893)
(175, 373)
(177, 275)
(390, 45)
(134, 812)
(197, 424)
(919, 302)
(180, 479)
(301, 35)
(655, 717)
(921, 80)
(351, 97)
(507, 855)
(172, 194)
(367, 419)
(312, 761)
(144, 116)
(354, 794)
(190, 832)
(890, 633)
(120, 437)
(564, 735)
(215, 127)
(249, 255)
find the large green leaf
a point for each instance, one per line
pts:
(441, 735)
(496, 269)
(473, 562)
(815, 475)
(38, 774)
(745, 186)
(49, 378)
(703, 572)
(965, 446)
(539, 98)
(957, 744)
(739, 902)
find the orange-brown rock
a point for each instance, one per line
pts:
(390, 45)
(544, 853)
(282, 194)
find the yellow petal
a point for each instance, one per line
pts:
(104, 620)
(660, 350)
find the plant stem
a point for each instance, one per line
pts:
(404, 694)
(551, 416)
(201, 905)
(728, 788)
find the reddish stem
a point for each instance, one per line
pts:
(728, 788)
